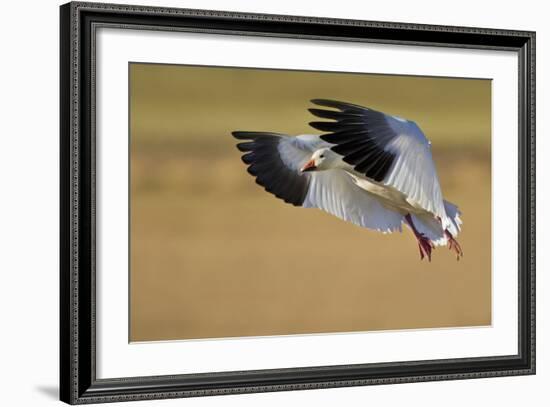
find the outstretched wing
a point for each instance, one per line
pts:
(275, 160)
(386, 149)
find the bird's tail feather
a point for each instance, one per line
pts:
(431, 227)
(453, 214)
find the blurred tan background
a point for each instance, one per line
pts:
(214, 255)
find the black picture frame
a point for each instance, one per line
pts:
(78, 382)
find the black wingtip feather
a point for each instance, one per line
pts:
(337, 104)
(359, 135)
(248, 158)
(246, 146)
(253, 135)
(325, 114)
(343, 137)
(319, 126)
(261, 155)
(326, 126)
(327, 103)
(342, 128)
(241, 135)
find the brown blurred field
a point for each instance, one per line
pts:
(214, 255)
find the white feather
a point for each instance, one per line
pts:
(431, 228)
(413, 172)
(335, 192)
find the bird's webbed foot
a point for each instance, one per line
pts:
(453, 245)
(425, 246)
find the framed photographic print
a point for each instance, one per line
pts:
(255, 203)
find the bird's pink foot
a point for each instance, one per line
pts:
(453, 245)
(425, 246)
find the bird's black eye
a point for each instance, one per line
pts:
(322, 156)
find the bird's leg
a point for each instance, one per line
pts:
(425, 245)
(453, 245)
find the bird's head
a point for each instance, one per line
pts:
(322, 159)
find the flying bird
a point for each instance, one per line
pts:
(368, 168)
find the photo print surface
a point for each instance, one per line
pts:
(376, 217)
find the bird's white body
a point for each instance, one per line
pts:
(389, 196)
(373, 170)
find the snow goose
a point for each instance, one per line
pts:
(368, 168)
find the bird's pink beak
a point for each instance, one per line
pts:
(309, 166)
